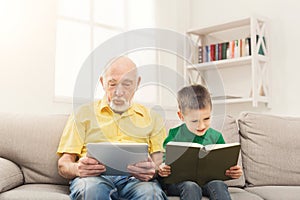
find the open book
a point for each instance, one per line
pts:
(195, 162)
(117, 156)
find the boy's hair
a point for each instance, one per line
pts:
(193, 97)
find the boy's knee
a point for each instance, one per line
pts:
(191, 186)
(217, 183)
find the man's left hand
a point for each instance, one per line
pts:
(143, 171)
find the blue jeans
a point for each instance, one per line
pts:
(188, 190)
(115, 187)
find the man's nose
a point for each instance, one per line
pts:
(119, 91)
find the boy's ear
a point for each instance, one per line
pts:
(180, 115)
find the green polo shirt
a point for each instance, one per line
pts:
(182, 134)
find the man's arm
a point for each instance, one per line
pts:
(157, 158)
(69, 168)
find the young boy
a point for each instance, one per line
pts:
(195, 111)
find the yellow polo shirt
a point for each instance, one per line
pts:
(96, 122)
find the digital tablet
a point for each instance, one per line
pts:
(117, 156)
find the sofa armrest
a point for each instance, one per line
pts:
(10, 175)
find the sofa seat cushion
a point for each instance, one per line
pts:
(270, 149)
(276, 192)
(37, 192)
(235, 193)
(11, 175)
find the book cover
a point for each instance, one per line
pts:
(224, 50)
(220, 51)
(248, 46)
(212, 52)
(200, 54)
(216, 52)
(260, 50)
(195, 162)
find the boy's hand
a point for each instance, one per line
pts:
(234, 172)
(164, 170)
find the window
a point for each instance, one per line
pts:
(84, 24)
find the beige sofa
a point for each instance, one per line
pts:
(269, 156)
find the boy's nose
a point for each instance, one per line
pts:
(200, 126)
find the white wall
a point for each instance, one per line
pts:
(27, 52)
(27, 38)
(27, 48)
(285, 31)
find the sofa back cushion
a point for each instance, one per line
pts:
(270, 149)
(228, 126)
(31, 142)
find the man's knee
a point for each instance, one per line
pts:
(89, 188)
(149, 190)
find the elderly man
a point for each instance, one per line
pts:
(113, 119)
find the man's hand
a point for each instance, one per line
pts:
(234, 172)
(164, 170)
(89, 167)
(143, 171)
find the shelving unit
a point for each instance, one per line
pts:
(257, 29)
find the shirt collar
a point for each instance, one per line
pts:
(134, 108)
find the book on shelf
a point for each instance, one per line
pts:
(200, 54)
(261, 50)
(195, 162)
(212, 52)
(227, 50)
(248, 46)
(220, 51)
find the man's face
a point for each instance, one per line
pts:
(197, 121)
(120, 84)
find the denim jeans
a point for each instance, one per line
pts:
(188, 190)
(115, 187)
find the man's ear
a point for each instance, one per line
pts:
(180, 115)
(138, 82)
(101, 81)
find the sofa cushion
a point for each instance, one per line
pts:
(235, 194)
(31, 142)
(227, 125)
(37, 192)
(270, 149)
(11, 175)
(276, 192)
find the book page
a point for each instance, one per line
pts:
(185, 144)
(210, 147)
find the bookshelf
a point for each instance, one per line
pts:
(239, 87)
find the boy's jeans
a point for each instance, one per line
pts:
(115, 187)
(189, 190)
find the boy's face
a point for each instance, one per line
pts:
(197, 121)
